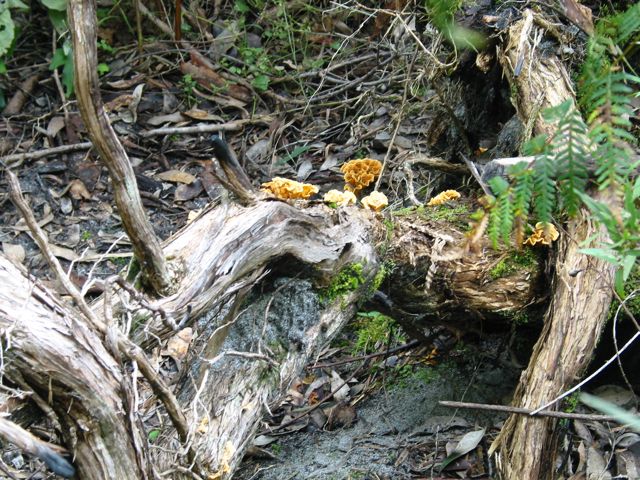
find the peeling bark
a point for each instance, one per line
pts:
(527, 446)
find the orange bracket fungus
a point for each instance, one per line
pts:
(286, 189)
(544, 233)
(376, 201)
(341, 199)
(359, 174)
(443, 197)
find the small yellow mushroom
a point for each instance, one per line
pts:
(286, 189)
(359, 174)
(376, 201)
(341, 199)
(544, 233)
(443, 197)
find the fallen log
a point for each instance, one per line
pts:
(238, 363)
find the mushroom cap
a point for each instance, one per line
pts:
(544, 233)
(443, 197)
(341, 199)
(376, 201)
(286, 189)
(359, 174)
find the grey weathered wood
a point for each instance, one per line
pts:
(146, 246)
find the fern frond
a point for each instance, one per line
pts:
(545, 187)
(628, 24)
(571, 148)
(522, 177)
(501, 215)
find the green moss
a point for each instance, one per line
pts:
(347, 280)
(516, 261)
(373, 329)
(455, 213)
(403, 212)
(276, 448)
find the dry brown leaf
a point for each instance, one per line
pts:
(178, 345)
(78, 190)
(55, 125)
(62, 252)
(198, 114)
(176, 176)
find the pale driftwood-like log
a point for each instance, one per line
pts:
(217, 255)
(527, 446)
(49, 348)
(146, 245)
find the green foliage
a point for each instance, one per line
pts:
(188, 85)
(7, 26)
(607, 85)
(571, 147)
(374, 330)
(347, 280)
(558, 180)
(63, 57)
(153, 435)
(441, 13)
(516, 261)
(8, 32)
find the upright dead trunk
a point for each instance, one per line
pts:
(582, 285)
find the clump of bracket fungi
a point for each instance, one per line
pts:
(544, 233)
(359, 174)
(443, 197)
(286, 189)
(376, 201)
(339, 199)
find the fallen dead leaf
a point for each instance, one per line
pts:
(198, 114)
(176, 176)
(187, 192)
(55, 125)
(62, 252)
(78, 190)
(175, 117)
(178, 345)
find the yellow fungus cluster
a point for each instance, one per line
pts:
(544, 233)
(443, 197)
(359, 174)
(376, 201)
(341, 199)
(286, 189)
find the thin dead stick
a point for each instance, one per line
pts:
(45, 152)
(525, 411)
(129, 349)
(400, 117)
(589, 378)
(208, 128)
(391, 351)
(17, 435)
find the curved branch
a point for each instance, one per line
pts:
(82, 20)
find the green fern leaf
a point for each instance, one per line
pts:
(571, 148)
(545, 187)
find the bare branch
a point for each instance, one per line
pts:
(82, 16)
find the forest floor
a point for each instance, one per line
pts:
(296, 91)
